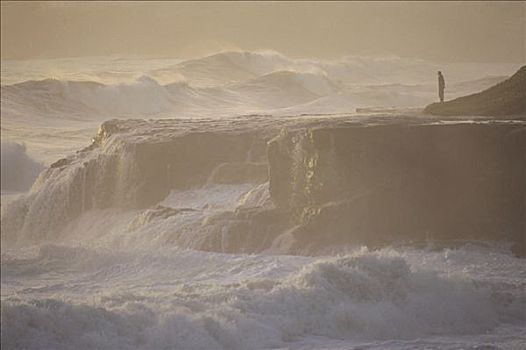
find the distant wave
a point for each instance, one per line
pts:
(286, 80)
(228, 67)
(146, 97)
(243, 82)
(141, 97)
(237, 66)
(18, 170)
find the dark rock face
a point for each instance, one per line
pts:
(505, 98)
(379, 184)
(332, 182)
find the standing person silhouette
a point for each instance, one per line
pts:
(441, 86)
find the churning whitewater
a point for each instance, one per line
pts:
(65, 297)
(247, 200)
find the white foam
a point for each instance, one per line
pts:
(195, 300)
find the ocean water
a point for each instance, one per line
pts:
(55, 106)
(127, 278)
(64, 297)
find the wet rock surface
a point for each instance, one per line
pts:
(376, 184)
(332, 180)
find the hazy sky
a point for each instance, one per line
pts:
(442, 31)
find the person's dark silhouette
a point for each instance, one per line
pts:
(441, 86)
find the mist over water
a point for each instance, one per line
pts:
(19, 170)
(155, 234)
(233, 83)
(65, 100)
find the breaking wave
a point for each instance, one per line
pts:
(145, 97)
(243, 83)
(76, 98)
(19, 170)
(228, 302)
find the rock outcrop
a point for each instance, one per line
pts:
(385, 183)
(134, 164)
(504, 99)
(332, 181)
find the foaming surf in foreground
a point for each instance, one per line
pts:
(392, 298)
(377, 229)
